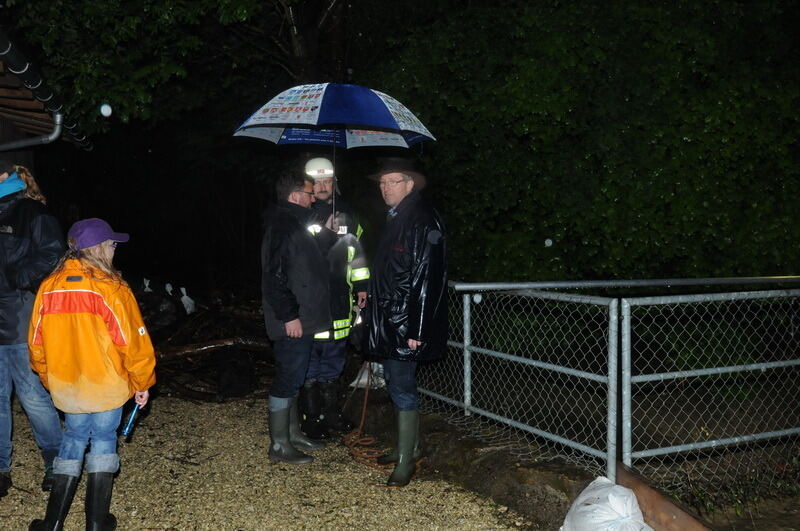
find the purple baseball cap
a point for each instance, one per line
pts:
(90, 232)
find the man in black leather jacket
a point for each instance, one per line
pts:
(30, 245)
(296, 306)
(407, 302)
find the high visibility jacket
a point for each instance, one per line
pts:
(88, 342)
(347, 270)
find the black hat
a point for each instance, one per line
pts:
(399, 165)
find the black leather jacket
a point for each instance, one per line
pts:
(407, 296)
(294, 273)
(30, 246)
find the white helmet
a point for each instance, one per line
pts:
(319, 167)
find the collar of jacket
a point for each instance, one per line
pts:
(407, 202)
(300, 213)
(73, 265)
(8, 201)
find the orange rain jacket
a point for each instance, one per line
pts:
(88, 342)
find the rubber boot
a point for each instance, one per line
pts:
(296, 436)
(391, 457)
(58, 504)
(311, 412)
(331, 413)
(281, 449)
(98, 502)
(47, 480)
(407, 423)
(5, 483)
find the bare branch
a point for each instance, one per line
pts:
(184, 351)
(325, 13)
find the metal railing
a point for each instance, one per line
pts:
(710, 390)
(544, 369)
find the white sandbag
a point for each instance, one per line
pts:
(371, 372)
(604, 505)
(188, 303)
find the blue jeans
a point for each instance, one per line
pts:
(401, 379)
(291, 364)
(15, 368)
(327, 361)
(98, 431)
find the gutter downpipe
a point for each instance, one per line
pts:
(58, 119)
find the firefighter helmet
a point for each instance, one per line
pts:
(319, 167)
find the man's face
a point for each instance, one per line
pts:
(303, 197)
(323, 189)
(394, 188)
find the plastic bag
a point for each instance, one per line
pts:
(604, 505)
(372, 372)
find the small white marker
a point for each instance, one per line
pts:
(105, 110)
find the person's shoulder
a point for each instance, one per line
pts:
(29, 206)
(423, 211)
(276, 213)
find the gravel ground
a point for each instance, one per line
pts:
(204, 466)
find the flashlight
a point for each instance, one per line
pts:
(129, 425)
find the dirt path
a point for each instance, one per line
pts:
(204, 466)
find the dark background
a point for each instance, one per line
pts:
(643, 139)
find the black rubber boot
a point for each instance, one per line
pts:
(281, 449)
(5, 483)
(58, 505)
(392, 456)
(47, 480)
(332, 416)
(311, 412)
(296, 435)
(98, 502)
(407, 423)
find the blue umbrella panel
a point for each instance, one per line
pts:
(345, 116)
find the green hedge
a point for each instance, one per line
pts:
(649, 141)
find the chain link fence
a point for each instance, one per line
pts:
(702, 392)
(535, 365)
(710, 391)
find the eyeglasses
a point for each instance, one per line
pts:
(304, 192)
(390, 184)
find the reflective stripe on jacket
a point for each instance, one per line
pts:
(347, 267)
(88, 342)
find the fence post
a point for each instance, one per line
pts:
(611, 436)
(626, 383)
(467, 354)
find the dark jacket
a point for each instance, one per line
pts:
(347, 267)
(294, 274)
(30, 246)
(407, 296)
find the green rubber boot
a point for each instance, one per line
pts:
(407, 426)
(281, 449)
(391, 457)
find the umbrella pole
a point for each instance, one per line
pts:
(335, 186)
